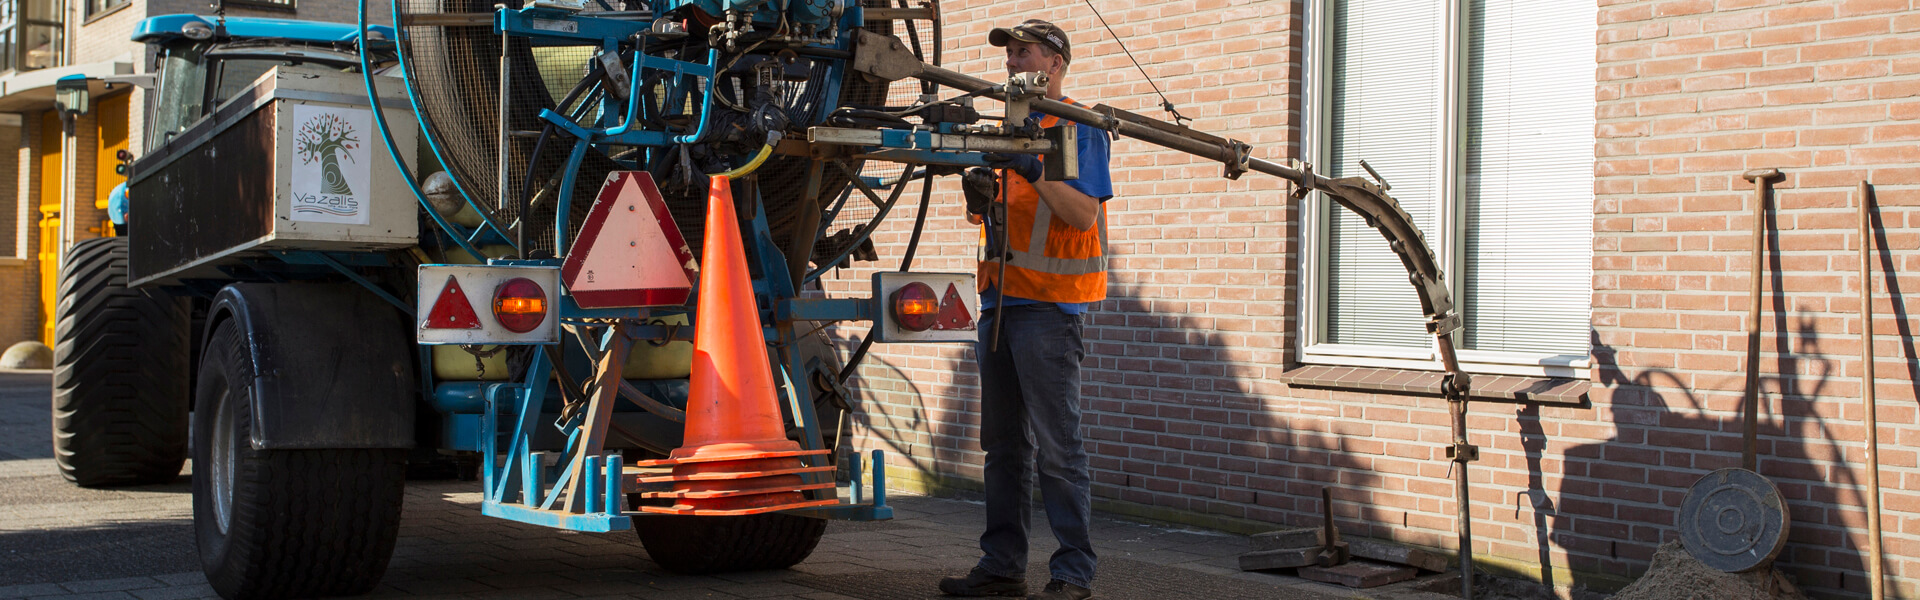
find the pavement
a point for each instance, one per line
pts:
(61, 542)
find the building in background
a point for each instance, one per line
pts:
(53, 190)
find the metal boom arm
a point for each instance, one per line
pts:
(875, 55)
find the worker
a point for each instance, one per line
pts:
(1044, 263)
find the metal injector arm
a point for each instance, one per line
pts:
(875, 55)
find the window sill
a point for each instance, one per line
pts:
(8, 262)
(1494, 388)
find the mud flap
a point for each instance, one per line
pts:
(333, 365)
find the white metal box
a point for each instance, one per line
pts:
(295, 162)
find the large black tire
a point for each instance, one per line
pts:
(283, 523)
(120, 375)
(697, 545)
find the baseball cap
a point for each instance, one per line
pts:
(1034, 31)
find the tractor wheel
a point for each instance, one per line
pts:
(120, 375)
(283, 523)
(695, 545)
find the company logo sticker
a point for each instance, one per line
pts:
(330, 180)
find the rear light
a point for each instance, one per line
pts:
(519, 305)
(915, 307)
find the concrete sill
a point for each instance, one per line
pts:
(1493, 388)
(8, 262)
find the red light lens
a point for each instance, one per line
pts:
(915, 307)
(519, 305)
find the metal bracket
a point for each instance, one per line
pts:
(1240, 158)
(1063, 163)
(1301, 188)
(616, 72)
(883, 57)
(1463, 453)
(1444, 324)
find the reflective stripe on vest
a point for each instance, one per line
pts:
(1038, 259)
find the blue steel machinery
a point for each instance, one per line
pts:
(807, 96)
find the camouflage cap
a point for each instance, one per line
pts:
(1034, 31)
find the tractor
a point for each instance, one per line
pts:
(570, 250)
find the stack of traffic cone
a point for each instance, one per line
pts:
(737, 459)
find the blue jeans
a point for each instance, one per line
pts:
(1030, 397)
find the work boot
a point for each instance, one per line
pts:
(1061, 590)
(979, 582)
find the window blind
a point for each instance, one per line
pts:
(1384, 107)
(1528, 207)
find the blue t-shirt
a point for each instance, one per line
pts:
(1094, 181)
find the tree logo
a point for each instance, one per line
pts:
(328, 183)
(324, 138)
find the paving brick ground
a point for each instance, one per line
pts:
(60, 542)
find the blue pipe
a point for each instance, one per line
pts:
(706, 100)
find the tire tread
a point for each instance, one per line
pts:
(305, 523)
(700, 545)
(120, 373)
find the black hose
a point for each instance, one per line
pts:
(526, 192)
(533, 160)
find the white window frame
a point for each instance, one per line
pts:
(1315, 218)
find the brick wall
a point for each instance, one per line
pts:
(1691, 94)
(18, 290)
(1189, 419)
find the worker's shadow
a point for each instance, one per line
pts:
(903, 415)
(1673, 428)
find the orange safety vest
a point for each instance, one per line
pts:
(1053, 263)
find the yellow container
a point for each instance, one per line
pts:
(671, 361)
(454, 363)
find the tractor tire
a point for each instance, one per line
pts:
(283, 523)
(698, 545)
(120, 375)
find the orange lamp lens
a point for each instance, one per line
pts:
(915, 307)
(519, 305)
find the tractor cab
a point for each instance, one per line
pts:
(201, 62)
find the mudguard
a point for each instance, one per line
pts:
(332, 365)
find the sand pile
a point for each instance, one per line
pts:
(1675, 575)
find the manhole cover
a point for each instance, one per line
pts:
(1733, 520)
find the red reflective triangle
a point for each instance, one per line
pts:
(452, 310)
(953, 311)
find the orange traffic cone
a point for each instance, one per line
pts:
(735, 458)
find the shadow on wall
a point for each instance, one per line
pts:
(1663, 439)
(919, 429)
(1182, 416)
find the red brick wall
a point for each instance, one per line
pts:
(1692, 94)
(1188, 419)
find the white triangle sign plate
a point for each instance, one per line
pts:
(630, 252)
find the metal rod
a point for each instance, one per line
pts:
(1463, 506)
(500, 194)
(1866, 395)
(1750, 405)
(599, 416)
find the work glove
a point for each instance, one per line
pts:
(1025, 165)
(980, 186)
